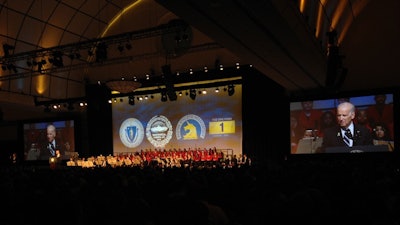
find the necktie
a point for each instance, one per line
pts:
(348, 137)
(52, 149)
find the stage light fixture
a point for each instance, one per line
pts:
(172, 95)
(192, 94)
(231, 89)
(131, 100)
(57, 59)
(164, 97)
(6, 49)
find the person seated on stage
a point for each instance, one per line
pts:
(381, 111)
(362, 119)
(381, 136)
(309, 117)
(328, 119)
(296, 133)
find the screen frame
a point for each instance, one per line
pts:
(315, 96)
(75, 143)
(175, 142)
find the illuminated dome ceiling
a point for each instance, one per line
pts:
(51, 48)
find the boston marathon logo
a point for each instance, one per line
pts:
(159, 131)
(190, 127)
(131, 132)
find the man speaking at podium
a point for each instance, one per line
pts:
(347, 135)
(53, 145)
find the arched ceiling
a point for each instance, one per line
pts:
(285, 40)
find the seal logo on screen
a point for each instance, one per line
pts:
(131, 132)
(159, 131)
(190, 127)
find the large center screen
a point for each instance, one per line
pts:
(197, 119)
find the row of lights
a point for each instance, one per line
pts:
(69, 106)
(192, 93)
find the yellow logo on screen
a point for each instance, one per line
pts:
(222, 127)
(191, 132)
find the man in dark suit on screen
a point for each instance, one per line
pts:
(53, 145)
(347, 135)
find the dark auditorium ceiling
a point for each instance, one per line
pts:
(284, 39)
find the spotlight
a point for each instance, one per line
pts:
(192, 94)
(131, 100)
(40, 67)
(6, 49)
(164, 96)
(172, 95)
(231, 89)
(57, 59)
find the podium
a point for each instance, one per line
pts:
(309, 145)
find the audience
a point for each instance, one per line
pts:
(291, 192)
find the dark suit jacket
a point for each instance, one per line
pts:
(333, 137)
(45, 152)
